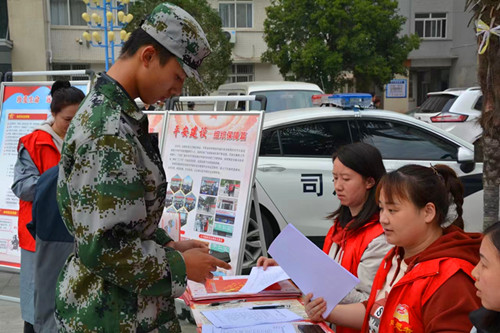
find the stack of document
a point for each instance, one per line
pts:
(229, 287)
(243, 317)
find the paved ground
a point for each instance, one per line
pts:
(10, 313)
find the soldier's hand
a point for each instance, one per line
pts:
(187, 244)
(200, 264)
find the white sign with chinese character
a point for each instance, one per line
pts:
(210, 160)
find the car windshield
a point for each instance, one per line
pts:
(437, 103)
(285, 99)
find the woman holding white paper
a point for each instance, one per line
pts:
(356, 239)
(424, 284)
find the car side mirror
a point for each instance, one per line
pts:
(466, 159)
(465, 155)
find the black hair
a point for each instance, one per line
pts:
(365, 160)
(493, 231)
(140, 38)
(63, 94)
(421, 185)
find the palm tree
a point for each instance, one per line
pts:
(489, 79)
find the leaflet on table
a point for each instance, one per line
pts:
(302, 327)
(293, 305)
(229, 287)
(241, 317)
(268, 328)
(209, 159)
(24, 106)
(259, 279)
(310, 268)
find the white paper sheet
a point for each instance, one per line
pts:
(259, 279)
(241, 317)
(312, 270)
(272, 328)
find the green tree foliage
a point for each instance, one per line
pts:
(321, 41)
(215, 67)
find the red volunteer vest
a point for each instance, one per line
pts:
(353, 243)
(45, 155)
(403, 309)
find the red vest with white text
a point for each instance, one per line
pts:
(403, 308)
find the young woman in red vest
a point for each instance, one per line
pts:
(356, 239)
(424, 284)
(38, 152)
(486, 274)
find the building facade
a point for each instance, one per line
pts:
(447, 56)
(48, 36)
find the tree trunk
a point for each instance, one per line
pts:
(489, 78)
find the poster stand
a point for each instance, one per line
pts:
(253, 193)
(23, 106)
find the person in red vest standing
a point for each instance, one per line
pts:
(38, 152)
(356, 239)
(424, 284)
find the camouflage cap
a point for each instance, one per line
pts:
(180, 34)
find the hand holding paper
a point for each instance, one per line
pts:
(310, 268)
(259, 279)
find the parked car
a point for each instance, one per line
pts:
(294, 171)
(281, 95)
(454, 110)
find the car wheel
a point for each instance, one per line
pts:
(253, 248)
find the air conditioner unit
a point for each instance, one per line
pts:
(231, 35)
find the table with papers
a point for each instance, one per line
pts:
(233, 304)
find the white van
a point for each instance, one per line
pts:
(281, 95)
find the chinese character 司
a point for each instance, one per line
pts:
(310, 183)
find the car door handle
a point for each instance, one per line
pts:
(271, 168)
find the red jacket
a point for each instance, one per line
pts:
(353, 243)
(45, 155)
(437, 292)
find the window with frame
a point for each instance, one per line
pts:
(430, 25)
(321, 138)
(241, 73)
(4, 20)
(406, 142)
(67, 12)
(236, 14)
(67, 67)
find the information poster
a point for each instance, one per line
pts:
(210, 160)
(396, 88)
(24, 106)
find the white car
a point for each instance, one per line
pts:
(454, 110)
(294, 171)
(281, 95)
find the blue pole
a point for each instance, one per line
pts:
(106, 45)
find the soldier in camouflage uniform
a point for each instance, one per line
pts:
(126, 272)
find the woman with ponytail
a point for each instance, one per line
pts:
(424, 284)
(38, 152)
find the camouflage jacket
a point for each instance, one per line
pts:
(111, 193)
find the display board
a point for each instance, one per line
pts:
(156, 122)
(23, 107)
(210, 160)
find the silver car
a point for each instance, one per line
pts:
(294, 176)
